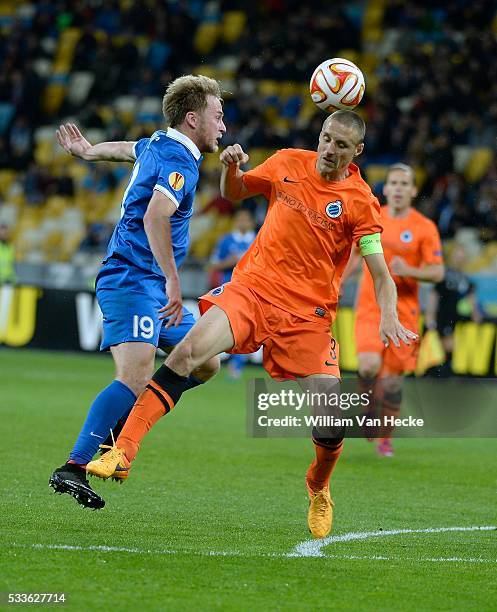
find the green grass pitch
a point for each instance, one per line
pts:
(209, 516)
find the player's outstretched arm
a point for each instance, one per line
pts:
(72, 140)
(232, 186)
(386, 296)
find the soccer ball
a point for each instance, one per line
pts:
(337, 84)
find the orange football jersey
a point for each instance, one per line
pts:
(415, 238)
(297, 259)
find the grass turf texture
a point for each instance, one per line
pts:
(200, 487)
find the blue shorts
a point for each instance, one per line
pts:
(130, 299)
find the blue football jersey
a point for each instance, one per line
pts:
(167, 161)
(234, 243)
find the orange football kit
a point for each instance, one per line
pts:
(284, 291)
(416, 239)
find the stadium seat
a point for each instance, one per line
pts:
(257, 156)
(43, 153)
(478, 164)
(9, 213)
(268, 88)
(126, 108)
(65, 50)
(233, 25)
(376, 173)
(53, 97)
(206, 37)
(7, 177)
(80, 84)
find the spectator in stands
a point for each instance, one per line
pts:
(7, 256)
(228, 252)
(37, 184)
(20, 143)
(96, 239)
(100, 179)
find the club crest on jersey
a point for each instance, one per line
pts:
(176, 180)
(217, 290)
(334, 209)
(406, 236)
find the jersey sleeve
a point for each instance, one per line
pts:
(431, 245)
(367, 221)
(176, 177)
(259, 179)
(139, 146)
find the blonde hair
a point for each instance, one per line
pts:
(188, 94)
(402, 168)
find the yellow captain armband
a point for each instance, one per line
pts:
(369, 245)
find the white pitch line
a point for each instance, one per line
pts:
(309, 548)
(313, 548)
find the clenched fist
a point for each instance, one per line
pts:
(234, 154)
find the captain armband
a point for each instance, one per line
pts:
(370, 245)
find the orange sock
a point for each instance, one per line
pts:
(150, 406)
(320, 470)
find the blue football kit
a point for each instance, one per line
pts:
(130, 285)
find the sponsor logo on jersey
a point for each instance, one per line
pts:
(314, 216)
(217, 290)
(176, 180)
(406, 236)
(334, 209)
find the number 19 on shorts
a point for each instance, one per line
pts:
(143, 327)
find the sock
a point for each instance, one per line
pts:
(193, 382)
(320, 470)
(390, 407)
(160, 396)
(109, 405)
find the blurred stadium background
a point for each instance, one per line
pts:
(431, 101)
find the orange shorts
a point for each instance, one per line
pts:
(395, 360)
(293, 347)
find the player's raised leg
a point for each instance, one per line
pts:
(210, 336)
(134, 365)
(328, 444)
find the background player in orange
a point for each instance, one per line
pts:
(413, 253)
(284, 291)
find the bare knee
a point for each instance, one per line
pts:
(181, 360)
(369, 364)
(135, 373)
(208, 369)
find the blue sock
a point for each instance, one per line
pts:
(108, 407)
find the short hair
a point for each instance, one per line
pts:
(352, 120)
(402, 168)
(188, 94)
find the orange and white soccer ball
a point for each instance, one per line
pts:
(337, 84)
